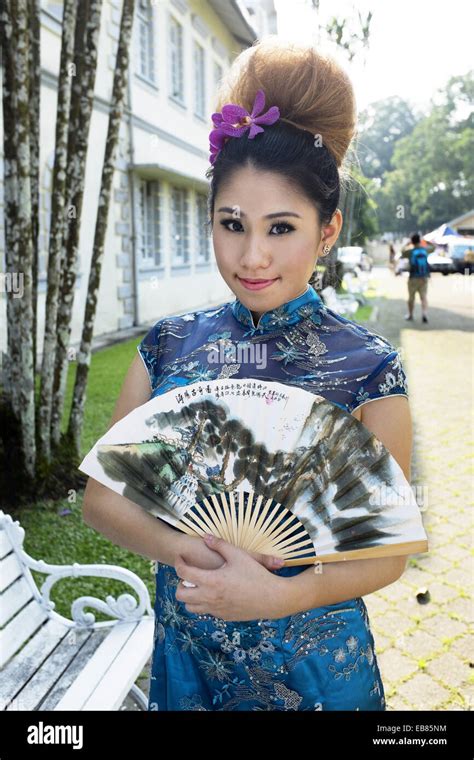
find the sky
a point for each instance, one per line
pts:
(415, 45)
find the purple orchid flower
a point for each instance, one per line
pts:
(234, 120)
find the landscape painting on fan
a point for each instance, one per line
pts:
(267, 466)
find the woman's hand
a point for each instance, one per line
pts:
(241, 588)
(199, 554)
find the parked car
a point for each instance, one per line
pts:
(441, 262)
(353, 256)
(461, 251)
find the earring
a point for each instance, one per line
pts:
(326, 250)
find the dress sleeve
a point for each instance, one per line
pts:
(387, 379)
(148, 349)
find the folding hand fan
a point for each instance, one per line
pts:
(267, 466)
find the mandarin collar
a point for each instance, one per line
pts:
(305, 306)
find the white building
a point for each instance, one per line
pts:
(158, 254)
(263, 16)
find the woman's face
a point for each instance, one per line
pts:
(263, 229)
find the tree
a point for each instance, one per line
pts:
(87, 36)
(118, 97)
(18, 419)
(67, 70)
(421, 165)
(33, 451)
(382, 125)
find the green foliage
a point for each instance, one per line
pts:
(382, 125)
(421, 165)
(364, 211)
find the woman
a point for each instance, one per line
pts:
(249, 635)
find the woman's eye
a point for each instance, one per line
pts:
(287, 227)
(227, 222)
(283, 226)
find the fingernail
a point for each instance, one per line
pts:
(209, 536)
(278, 561)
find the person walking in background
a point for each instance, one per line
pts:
(391, 256)
(418, 278)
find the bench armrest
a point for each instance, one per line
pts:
(125, 608)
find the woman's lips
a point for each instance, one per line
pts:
(256, 284)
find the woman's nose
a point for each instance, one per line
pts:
(256, 254)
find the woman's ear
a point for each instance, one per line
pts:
(330, 232)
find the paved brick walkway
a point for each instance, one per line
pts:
(423, 649)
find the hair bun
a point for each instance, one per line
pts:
(310, 89)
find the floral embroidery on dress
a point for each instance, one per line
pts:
(299, 339)
(243, 662)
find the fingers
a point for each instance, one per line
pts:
(268, 561)
(227, 550)
(190, 573)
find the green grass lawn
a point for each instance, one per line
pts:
(363, 313)
(107, 372)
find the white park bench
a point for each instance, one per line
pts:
(49, 662)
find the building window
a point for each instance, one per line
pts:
(149, 223)
(199, 81)
(218, 73)
(179, 227)
(55, 8)
(145, 66)
(202, 236)
(176, 60)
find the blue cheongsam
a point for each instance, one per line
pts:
(317, 659)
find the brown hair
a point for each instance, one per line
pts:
(311, 89)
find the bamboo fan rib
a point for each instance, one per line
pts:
(268, 467)
(269, 529)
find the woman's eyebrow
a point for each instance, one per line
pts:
(229, 210)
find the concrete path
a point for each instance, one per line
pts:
(423, 649)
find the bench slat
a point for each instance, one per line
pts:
(14, 598)
(97, 667)
(5, 544)
(22, 668)
(10, 570)
(75, 667)
(113, 688)
(20, 629)
(50, 671)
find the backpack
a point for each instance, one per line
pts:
(419, 263)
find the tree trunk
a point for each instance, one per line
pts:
(115, 118)
(79, 123)
(19, 381)
(34, 108)
(10, 450)
(66, 74)
(11, 359)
